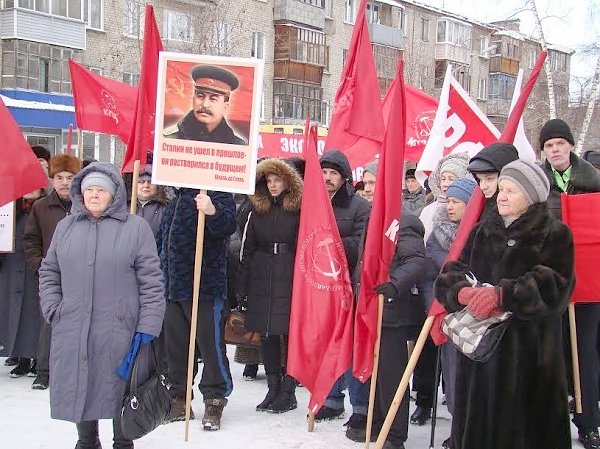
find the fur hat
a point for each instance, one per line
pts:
(372, 167)
(554, 129)
(492, 158)
(461, 189)
(64, 162)
(410, 173)
(530, 178)
(98, 179)
(41, 152)
(146, 173)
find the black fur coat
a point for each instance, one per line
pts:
(518, 398)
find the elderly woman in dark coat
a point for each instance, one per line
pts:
(100, 284)
(517, 399)
(267, 269)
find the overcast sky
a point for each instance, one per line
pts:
(567, 23)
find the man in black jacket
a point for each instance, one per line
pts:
(570, 174)
(351, 214)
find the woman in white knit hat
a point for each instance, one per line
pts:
(523, 260)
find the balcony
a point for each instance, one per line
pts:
(502, 64)
(386, 35)
(453, 52)
(299, 12)
(25, 24)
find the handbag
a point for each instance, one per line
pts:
(477, 339)
(236, 332)
(145, 406)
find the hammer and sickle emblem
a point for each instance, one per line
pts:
(324, 249)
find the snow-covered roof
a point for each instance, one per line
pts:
(510, 33)
(389, 2)
(561, 48)
(449, 14)
(26, 104)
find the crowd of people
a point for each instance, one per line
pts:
(88, 281)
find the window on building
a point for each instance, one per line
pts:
(501, 86)
(329, 8)
(510, 49)
(531, 59)
(297, 101)
(463, 76)
(132, 14)
(133, 79)
(401, 18)
(258, 45)
(93, 14)
(439, 73)
(96, 70)
(482, 89)
(301, 45)
(558, 60)
(221, 38)
(350, 14)
(484, 43)
(372, 13)
(386, 61)
(317, 3)
(451, 32)
(425, 30)
(35, 66)
(63, 8)
(178, 26)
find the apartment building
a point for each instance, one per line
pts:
(304, 44)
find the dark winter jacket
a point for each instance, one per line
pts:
(268, 251)
(350, 210)
(45, 215)
(177, 246)
(100, 282)
(413, 202)
(407, 273)
(152, 211)
(584, 179)
(19, 301)
(189, 128)
(515, 400)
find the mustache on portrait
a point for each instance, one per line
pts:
(204, 111)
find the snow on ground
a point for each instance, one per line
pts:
(26, 424)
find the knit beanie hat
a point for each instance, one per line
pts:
(554, 129)
(457, 167)
(492, 158)
(462, 189)
(372, 167)
(529, 177)
(146, 173)
(99, 179)
(410, 173)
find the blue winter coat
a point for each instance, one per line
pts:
(177, 246)
(100, 282)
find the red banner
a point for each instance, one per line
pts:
(582, 214)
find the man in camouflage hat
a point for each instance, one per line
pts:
(206, 121)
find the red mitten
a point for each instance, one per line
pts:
(484, 302)
(466, 294)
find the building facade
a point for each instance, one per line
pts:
(304, 44)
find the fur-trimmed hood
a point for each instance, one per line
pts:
(290, 198)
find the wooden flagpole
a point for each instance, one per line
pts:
(375, 371)
(194, 317)
(134, 187)
(575, 357)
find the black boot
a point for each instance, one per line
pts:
(286, 400)
(274, 383)
(420, 416)
(119, 440)
(87, 432)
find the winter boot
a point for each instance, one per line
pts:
(87, 432)
(420, 416)
(213, 409)
(21, 369)
(177, 412)
(286, 400)
(11, 361)
(32, 369)
(250, 372)
(274, 383)
(328, 413)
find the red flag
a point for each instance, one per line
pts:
(20, 171)
(384, 224)
(357, 122)
(420, 113)
(141, 137)
(475, 206)
(101, 104)
(582, 214)
(320, 335)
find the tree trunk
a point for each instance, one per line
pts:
(594, 93)
(551, 98)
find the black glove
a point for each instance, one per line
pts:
(388, 290)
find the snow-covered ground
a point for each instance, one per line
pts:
(25, 423)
